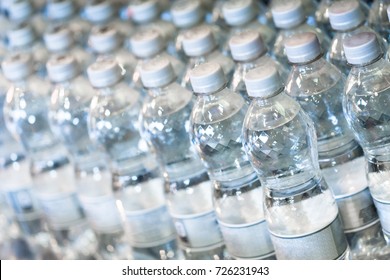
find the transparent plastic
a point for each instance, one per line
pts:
(165, 126)
(300, 209)
(114, 125)
(216, 122)
(378, 18)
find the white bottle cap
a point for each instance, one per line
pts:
(147, 43)
(20, 36)
(61, 68)
(58, 39)
(238, 12)
(186, 13)
(207, 78)
(17, 66)
(262, 81)
(141, 11)
(60, 9)
(157, 72)
(288, 14)
(198, 41)
(99, 11)
(104, 73)
(302, 47)
(247, 45)
(361, 48)
(20, 10)
(104, 39)
(344, 15)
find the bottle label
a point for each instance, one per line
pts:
(23, 203)
(357, 210)
(247, 241)
(149, 228)
(102, 213)
(326, 244)
(61, 210)
(383, 208)
(197, 231)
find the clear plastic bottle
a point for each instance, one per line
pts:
(280, 141)
(164, 120)
(200, 46)
(322, 14)
(378, 18)
(187, 14)
(290, 18)
(59, 40)
(145, 14)
(107, 41)
(249, 51)
(317, 85)
(367, 108)
(347, 19)
(21, 38)
(146, 45)
(242, 15)
(104, 12)
(137, 183)
(216, 125)
(19, 199)
(26, 117)
(65, 12)
(69, 112)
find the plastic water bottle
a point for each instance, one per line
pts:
(59, 40)
(216, 125)
(26, 117)
(186, 15)
(200, 46)
(249, 51)
(280, 141)
(366, 108)
(103, 12)
(145, 14)
(290, 18)
(114, 125)
(378, 18)
(69, 112)
(23, 39)
(146, 45)
(20, 205)
(64, 12)
(241, 15)
(107, 41)
(318, 86)
(165, 125)
(347, 19)
(322, 14)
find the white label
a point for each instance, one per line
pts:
(149, 228)
(247, 241)
(102, 212)
(357, 210)
(61, 210)
(384, 213)
(328, 243)
(196, 231)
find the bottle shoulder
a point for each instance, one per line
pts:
(218, 107)
(314, 78)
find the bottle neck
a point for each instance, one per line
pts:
(212, 95)
(368, 66)
(159, 91)
(310, 65)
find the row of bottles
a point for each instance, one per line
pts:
(116, 158)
